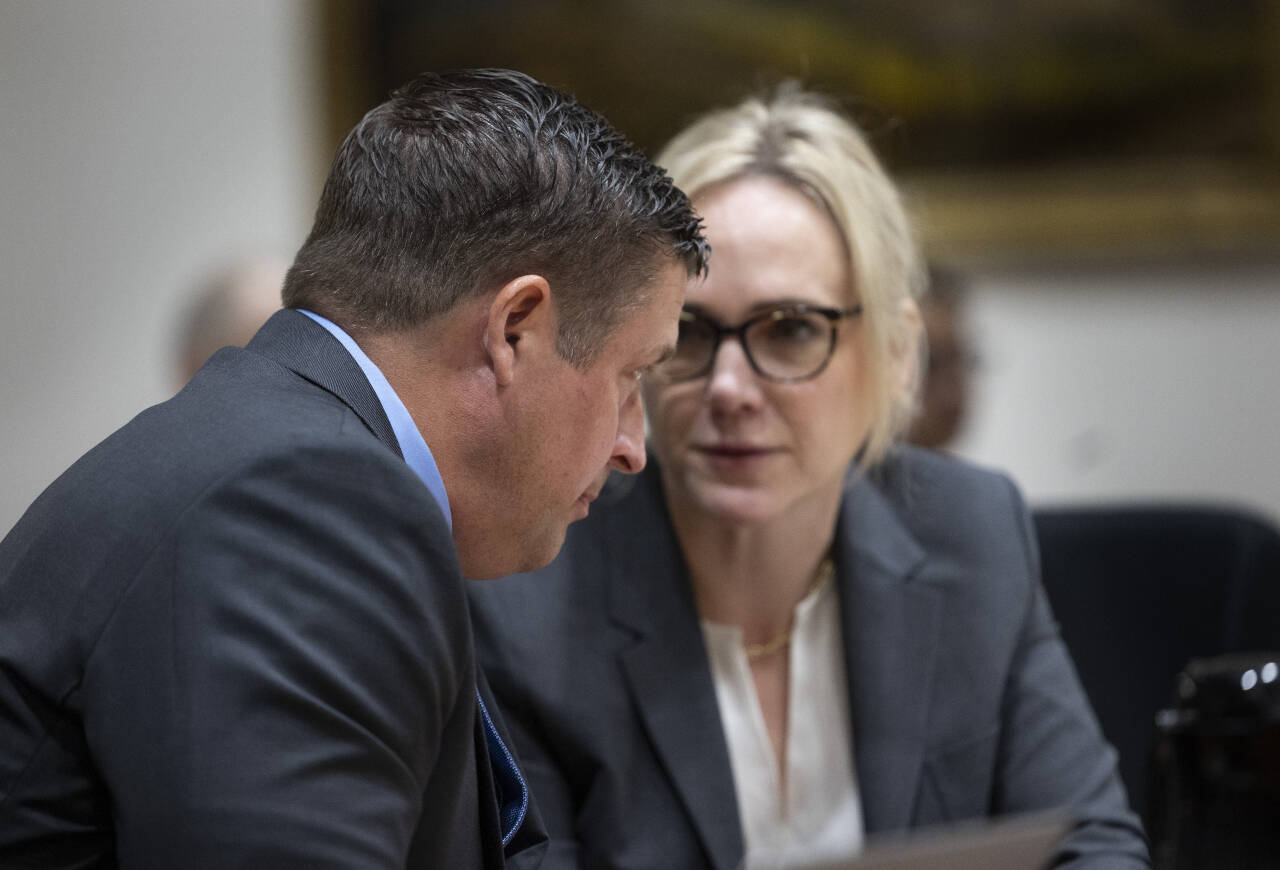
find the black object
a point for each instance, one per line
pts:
(1215, 773)
(1140, 591)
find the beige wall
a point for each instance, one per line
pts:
(1132, 384)
(141, 142)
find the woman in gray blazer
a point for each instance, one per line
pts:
(791, 634)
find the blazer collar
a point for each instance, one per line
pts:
(890, 626)
(304, 347)
(667, 668)
(891, 619)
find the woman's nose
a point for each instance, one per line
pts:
(732, 383)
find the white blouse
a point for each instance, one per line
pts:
(818, 816)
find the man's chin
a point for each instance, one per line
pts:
(534, 555)
(550, 548)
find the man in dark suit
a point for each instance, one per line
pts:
(235, 633)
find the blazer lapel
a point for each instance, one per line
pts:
(667, 669)
(303, 346)
(891, 624)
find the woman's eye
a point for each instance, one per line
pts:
(792, 329)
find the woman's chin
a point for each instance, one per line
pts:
(739, 505)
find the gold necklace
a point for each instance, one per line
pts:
(757, 651)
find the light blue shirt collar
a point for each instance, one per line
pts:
(416, 453)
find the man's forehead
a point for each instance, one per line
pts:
(650, 329)
(667, 300)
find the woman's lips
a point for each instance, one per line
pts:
(734, 455)
(733, 450)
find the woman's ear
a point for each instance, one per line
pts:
(520, 322)
(907, 349)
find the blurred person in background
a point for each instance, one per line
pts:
(235, 633)
(227, 308)
(950, 361)
(790, 633)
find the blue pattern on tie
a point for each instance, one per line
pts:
(513, 794)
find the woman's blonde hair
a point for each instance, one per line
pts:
(803, 140)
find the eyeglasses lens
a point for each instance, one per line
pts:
(789, 345)
(695, 345)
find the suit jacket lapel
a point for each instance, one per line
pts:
(303, 346)
(667, 668)
(891, 624)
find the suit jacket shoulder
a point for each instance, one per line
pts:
(243, 618)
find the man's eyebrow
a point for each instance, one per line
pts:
(667, 353)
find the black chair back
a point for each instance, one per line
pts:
(1140, 591)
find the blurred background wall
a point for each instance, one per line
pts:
(1106, 175)
(1125, 384)
(142, 142)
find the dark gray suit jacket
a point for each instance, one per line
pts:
(235, 634)
(963, 701)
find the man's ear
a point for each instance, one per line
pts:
(520, 320)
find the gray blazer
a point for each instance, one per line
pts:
(235, 634)
(964, 703)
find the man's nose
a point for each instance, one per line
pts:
(628, 446)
